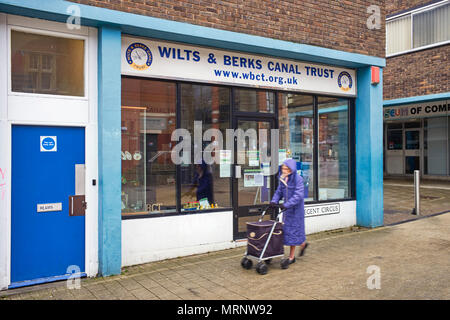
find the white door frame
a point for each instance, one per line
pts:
(48, 110)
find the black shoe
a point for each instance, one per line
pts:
(291, 261)
(285, 263)
(302, 252)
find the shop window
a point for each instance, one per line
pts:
(436, 145)
(148, 120)
(448, 143)
(202, 186)
(296, 123)
(46, 64)
(248, 100)
(154, 183)
(333, 139)
(412, 140)
(395, 139)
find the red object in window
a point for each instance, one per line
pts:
(375, 75)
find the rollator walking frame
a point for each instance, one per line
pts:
(273, 247)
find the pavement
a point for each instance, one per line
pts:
(397, 261)
(403, 261)
(398, 199)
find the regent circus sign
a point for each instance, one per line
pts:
(429, 109)
(168, 60)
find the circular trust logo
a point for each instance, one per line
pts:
(139, 56)
(345, 81)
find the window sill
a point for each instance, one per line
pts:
(430, 46)
(172, 214)
(184, 213)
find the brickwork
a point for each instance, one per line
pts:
(416, 74)
(335, 24)
(396, 6)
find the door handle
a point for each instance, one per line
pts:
(77, 206)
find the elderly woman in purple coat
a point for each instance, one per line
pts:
(290, 189)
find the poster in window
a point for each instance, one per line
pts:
(253, 178)
(225, 163)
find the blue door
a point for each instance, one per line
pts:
(45, 240)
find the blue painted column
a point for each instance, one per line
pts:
(109, 146)
(369, 150)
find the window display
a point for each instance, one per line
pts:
(333, 148)
(296, 119)
(202, 187)
(148, 119)
(314, 131)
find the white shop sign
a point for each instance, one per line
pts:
(165, 60)
(318, 210)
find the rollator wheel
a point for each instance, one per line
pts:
(261, 268)
(268, 261)
(246, 263)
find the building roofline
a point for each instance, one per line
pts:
(417, 99)
(140, 25)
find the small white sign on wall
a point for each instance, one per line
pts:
(48, 144)
(319, 210)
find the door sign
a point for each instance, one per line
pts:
(47, 207)
(48, 143)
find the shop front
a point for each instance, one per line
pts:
(166, 138)
(417, 137)
(238, 117)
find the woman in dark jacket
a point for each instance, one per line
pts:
(290, 189)
(204, 181)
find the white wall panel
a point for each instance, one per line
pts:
(153, 239)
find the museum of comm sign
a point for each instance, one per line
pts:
(422, 110)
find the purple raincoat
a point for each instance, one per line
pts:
(294, 216)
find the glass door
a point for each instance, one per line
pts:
(252, 184)
(412, 150)
(394, 148)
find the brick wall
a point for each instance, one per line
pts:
(417, 74)
(336, 24)
(396, 6)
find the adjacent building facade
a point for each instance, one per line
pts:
(417, 89)
(121, 126)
